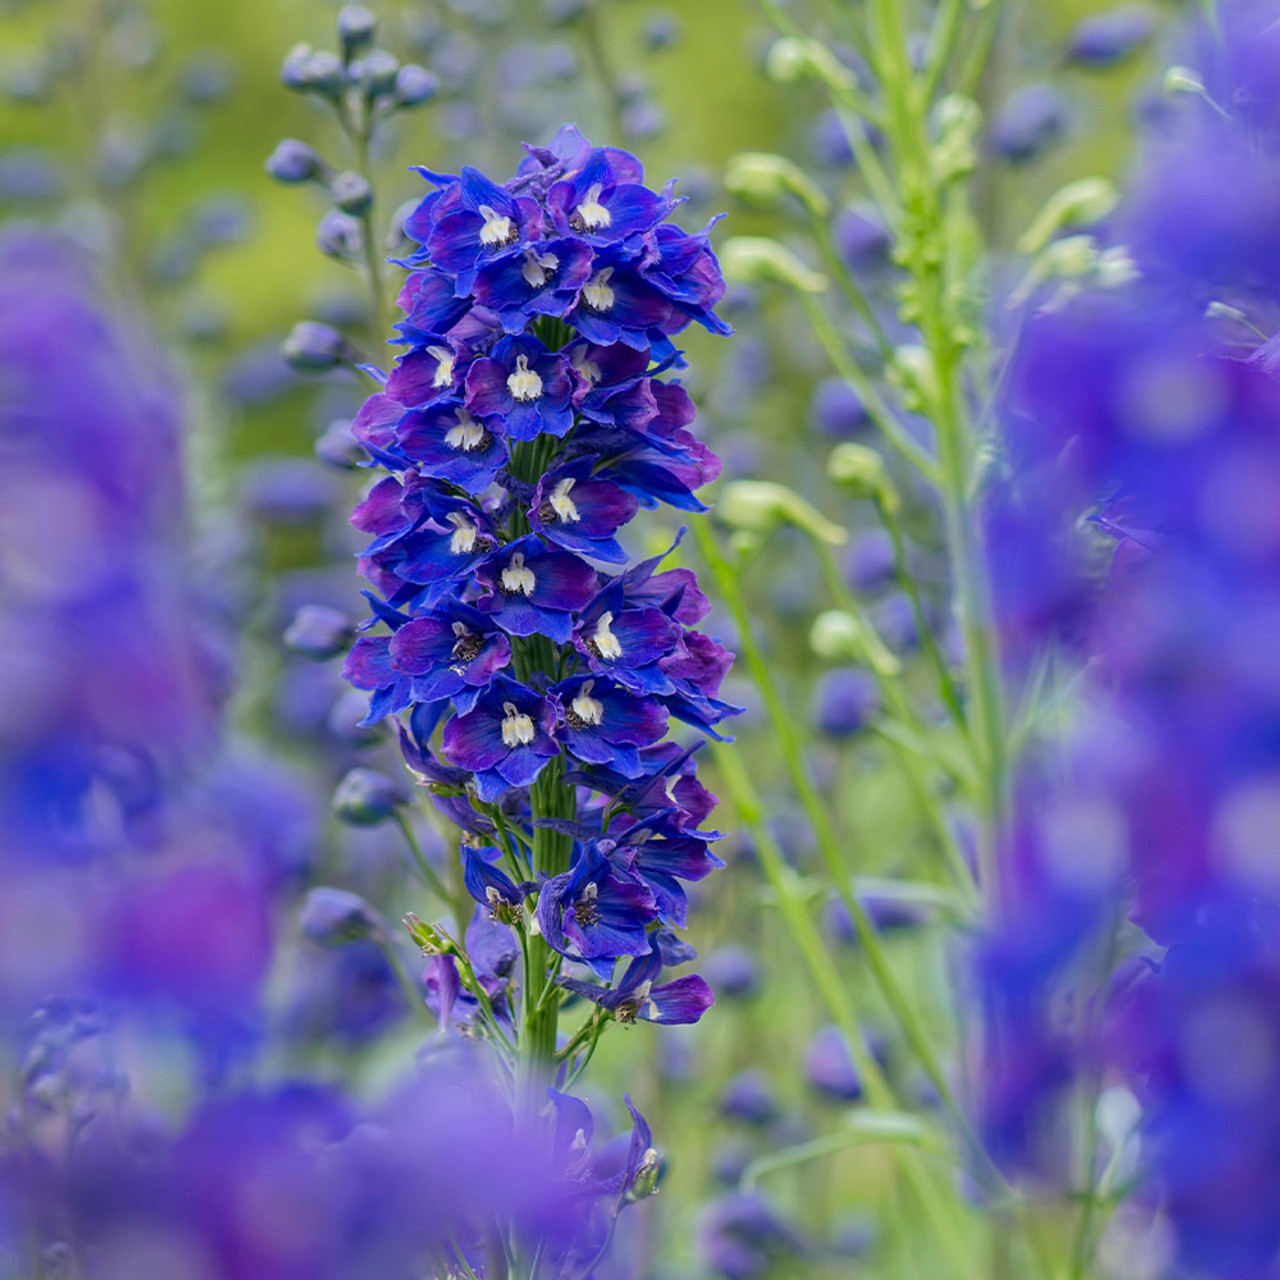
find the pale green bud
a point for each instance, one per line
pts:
(1070, 258)
(1221, 311)
(1077, 204)
(645, 1182)
(761, 506)
(1116, 268)
(1183, 80)
(836, 636)
(429, 940)
(913, 370)
(759, 260)
(792, 58)
(959, 120)
(840, 636)
(762, 178)
(861, 472)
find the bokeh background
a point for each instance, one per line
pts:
(142, 130)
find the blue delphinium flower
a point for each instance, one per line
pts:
(1138, 538)
(524, 425)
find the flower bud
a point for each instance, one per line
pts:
(1183, 80)
(840, 636)
(428, 939)
(761, 178)
(308, 70)
(861, 472)
(316, 348)
(339, 235)
(912, 370)
(647, 1176)
(319, 632)
(733, 972)
(761, 506)
(793, 58)
(1078, 204)
(376, 73)
(365, 797)
(337, 447)
(356, 26)
(334, 916)
(958, 120)
(352, 193)
(661, 31)
(414, 85)
(1108, 38)
(844, 700)
(759, 260)
(1029, 122)
(294, 161)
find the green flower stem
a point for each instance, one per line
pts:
(942, 44)
(907, 582)
(357, 123)
(409, 989)
(549, 798)
(598, 57)
(928, 254)
(829, 842)
(838, 999)
(428, 873)
(848, 286)
(849, 369)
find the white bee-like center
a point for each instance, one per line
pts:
(517, 728)
(538, 268)
(463, 539)
(561, 503)
(588, 709)
(467, 435)
(607, 645)
(517, 578)
(443, 357)
(591, 213)
(524, 384)
(597, 291)
(588, 368)
(497, 229)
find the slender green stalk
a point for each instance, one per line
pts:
(837, 997)
(829, 844)
(848, 286)
(849, 369)
(428, 873)
(598, 57)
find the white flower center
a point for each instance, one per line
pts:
(498, 228)
(443, 357)
(517, 728)
(538, 268)
(596, 291)
(467, 435)
(588, 368)
(524, 384)
(516, 578)
(588, 709)
(561, 503)
(607, 645)
(463, 540)
(591, 213)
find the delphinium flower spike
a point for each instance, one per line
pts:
(522, 427)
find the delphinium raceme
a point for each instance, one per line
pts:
(532, 670)
(1137, 536)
